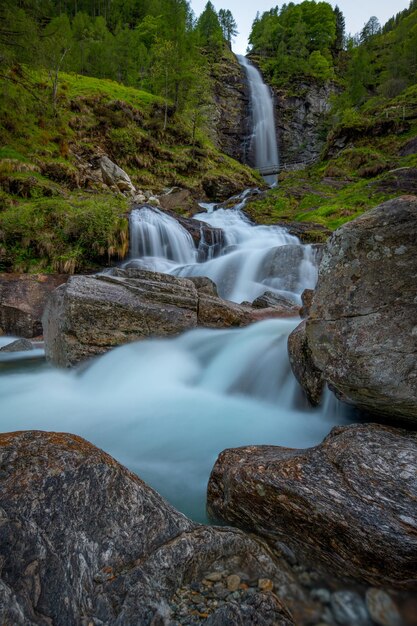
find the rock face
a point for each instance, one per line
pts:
(20, 345)
(91, 314)
(230, 116)
(299, 121)
(84, 541)
(22, 301)
(349, 503)
(362, 324)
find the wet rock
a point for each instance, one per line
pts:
(85, 541)
(92, 314)
(303, 366)
(349, 609)
(179, 201)
(204, 285)
(306, 299)
(20, 345)
(114, 176)
(382, 608)
(364, 308)
(22, 301)
(269, 299)
(347, 504)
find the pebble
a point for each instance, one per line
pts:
(265, 584)
(233, 582)
(349, 609)
(214, 576)
(322, 595)
(382, 608)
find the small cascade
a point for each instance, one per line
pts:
(263, 149)
(156, 234)
(166, 408)
(248, 260)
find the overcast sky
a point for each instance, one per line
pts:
(356, 12)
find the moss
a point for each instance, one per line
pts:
(64, 234)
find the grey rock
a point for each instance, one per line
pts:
(322, 595)
(20, 345)
(303, 366)
(349, 609)
(85, 541)
(257, 610)
(269, 298)
(382, 608)
(363, 318)
(114, 176)
(23, 298)
(92, 314)
(346, 506)
(281, 265)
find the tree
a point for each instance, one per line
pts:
(228, 25)
(339, 42)
(209, 29)
(57, 41)
(371, 28)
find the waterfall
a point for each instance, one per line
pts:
(156, 234)
(263, 143)
(250, 260)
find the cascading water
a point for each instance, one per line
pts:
(254, 259)
(166, 408)
(263, 148)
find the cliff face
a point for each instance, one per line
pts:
(300, 121)
(230, 121)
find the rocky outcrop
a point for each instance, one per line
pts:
(362, 324)
(92, 314)
(349, 503)
(230, 119)
(85, 541)
(22, 301)
(269, 298)
(299, 121)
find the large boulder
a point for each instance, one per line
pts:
(22, 301)
(302, 365)
(362, 322)
(85, 541)
(349, 503)
(114, 176)
(92, 314)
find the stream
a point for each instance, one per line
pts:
(167, 408)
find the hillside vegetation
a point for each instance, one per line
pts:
(136, 88)
(370, 152)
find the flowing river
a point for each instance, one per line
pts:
(166, 408)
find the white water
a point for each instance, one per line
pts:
(263, 144)
(166, 408)
(241, 272)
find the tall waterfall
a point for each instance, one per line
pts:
(263, 144)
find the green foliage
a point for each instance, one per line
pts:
(298, 41)
(209, 30)
(64, 235)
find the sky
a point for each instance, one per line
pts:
(356, 12)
